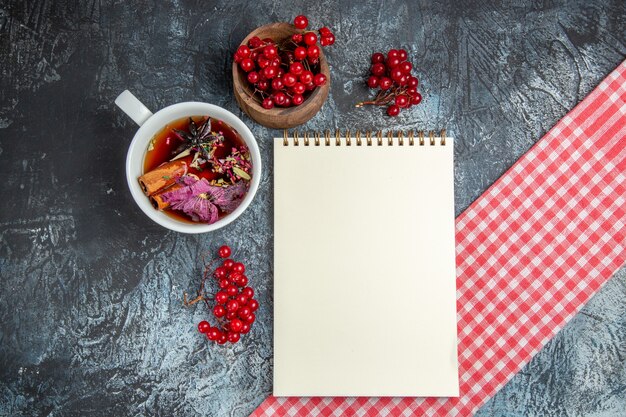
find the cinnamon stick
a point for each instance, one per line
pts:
(157, 198)
(162, 176)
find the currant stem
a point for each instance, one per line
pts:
(382, 98)
(365, 103)
(192, 302)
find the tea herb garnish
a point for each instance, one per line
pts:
(199, 139)
(236, 166)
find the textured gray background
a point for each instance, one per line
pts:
(91, 321)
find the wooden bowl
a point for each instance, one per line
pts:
(279, 117)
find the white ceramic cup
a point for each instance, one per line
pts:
(149, 125)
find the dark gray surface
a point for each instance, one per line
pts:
(91, 321)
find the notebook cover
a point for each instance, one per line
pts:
(364, 271)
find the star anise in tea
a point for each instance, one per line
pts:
(199, 139)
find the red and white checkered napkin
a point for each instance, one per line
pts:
(530, 252)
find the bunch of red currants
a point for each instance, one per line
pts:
(234, 303)
(282, 73)
(392, 75)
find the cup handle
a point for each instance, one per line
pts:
(133, 107)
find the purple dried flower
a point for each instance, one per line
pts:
(202, 201)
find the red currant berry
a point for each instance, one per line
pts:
(310, 38)
(279, 100)
(406, 67)
(268, 103)
(253, 77)
(385, 83)
(224, 250)
(251, 318)
(310, 86)
(396, 74)
(245, 328)
(241, 299)
(287, 102)
(378, 69)
(221, 297)
(236, 277)
(328, 40)
(402, 55)
(319, 80)
(239, 268)
(233, 337)
(393, 110)
(235, 325)
(275, 62)
(222, 339)
(393, 62)
(247, 65)
(255, 42)
(237, 58)
(254, 55)
(393, 53)
(289, 79)
(297, 99)
(280, 72)
(220, 272)
(299, 53)
(243, 51)
(244, 312)
(231, 315)
(411, 91)
(378, 58)
(312, 61)
(306, 77)
(313, 52)
(219, 311)
(372, 81)
(296, 68)
(262, 85)
(277, 84)
(298, 88)
(232, 305)
(413, 82)
(253, 304)
(267, 41)
(270, 51)
(296, 37)
(301, 22)
(263, 62)
(403, 80)
(231, 290)
(402, 100)
(213, 333)
(269, 72)
(416, 99)
(243, 280)
(248, 292)
(324, 31)
(224, 283)
(204, 326)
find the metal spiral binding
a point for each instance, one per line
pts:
(408, 139)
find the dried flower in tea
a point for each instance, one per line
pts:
(202, 201)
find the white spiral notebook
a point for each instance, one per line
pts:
(364, 266)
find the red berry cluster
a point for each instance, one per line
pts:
(234, 303)
(282, 73)
(398, 87)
